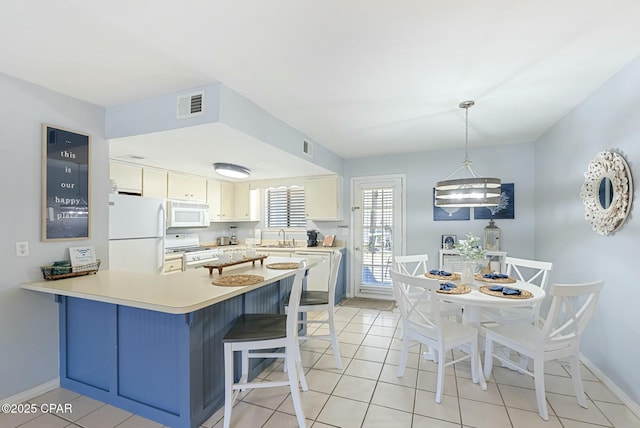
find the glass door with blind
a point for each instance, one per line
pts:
(378, 219)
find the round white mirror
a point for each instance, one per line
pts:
(607, 192)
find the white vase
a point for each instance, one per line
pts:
(468, 272)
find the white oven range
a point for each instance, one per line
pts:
(188, 244)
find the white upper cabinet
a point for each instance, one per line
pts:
(246, 202)
(128, 178)
(220, 200)
(232, 201)
(323, 198)
(241, 201)
(154, 183)
(186, 187)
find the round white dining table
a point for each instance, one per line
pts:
(473, 301)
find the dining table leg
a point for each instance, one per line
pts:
(471, 317)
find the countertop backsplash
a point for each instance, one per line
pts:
(244, 231)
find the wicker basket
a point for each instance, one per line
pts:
(67, 271)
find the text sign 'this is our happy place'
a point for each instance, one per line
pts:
(65, 184)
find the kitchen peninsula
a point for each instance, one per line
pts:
(151, 344)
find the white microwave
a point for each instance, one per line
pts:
(187, 214)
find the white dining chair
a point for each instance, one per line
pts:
(530, 271)
(418, 265)
(323, 302)
(429, 328)
(559, 337)
(259, 332)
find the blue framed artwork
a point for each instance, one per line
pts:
(449, 214)
(504, 210)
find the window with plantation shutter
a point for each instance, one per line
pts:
(284, 207)
(377, 210)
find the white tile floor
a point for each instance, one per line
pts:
(368, 394)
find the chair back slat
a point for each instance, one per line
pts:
(413, 265)
(571, 308)
(417, 303)
(531, 271)
(294, 300)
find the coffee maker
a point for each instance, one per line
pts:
(312, 238)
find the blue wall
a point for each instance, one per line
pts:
(609, 118)
(28, 320)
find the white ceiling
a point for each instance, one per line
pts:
(360, 77)
(195, 149)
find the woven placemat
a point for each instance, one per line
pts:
(479, 277)
(237, 280)
(282, 266)
(452, 277)
(460, 289)
(524, 294)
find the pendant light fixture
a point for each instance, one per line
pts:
(471, 190)
(231, 170)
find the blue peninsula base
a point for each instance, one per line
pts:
(165, 367)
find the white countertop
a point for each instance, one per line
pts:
(177, 293)
(266, 248)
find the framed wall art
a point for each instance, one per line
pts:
(448, 242)
(65, 184)
(504, 210)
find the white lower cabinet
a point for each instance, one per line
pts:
(276, 252)
(318, 279)
(173, 264)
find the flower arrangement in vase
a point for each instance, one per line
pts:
(471, 252)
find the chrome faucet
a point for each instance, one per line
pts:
(284, 238)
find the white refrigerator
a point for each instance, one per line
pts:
(136, 233)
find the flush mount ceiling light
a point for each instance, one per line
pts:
(231, 170)
(472, 190)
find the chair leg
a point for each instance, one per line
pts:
(403, 357)
(538, 377)
(440, 376)
(244, 377)
(228, 384)
(300, 369)
(293, 386)
(474, 361)
(577, 381)
(476, 367)
(334, 340)
(488, 357)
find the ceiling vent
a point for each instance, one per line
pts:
(190, 105)
(307, 148)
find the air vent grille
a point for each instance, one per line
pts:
(190, 105)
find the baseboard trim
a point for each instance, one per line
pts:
(33, 392)
(626, 400)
